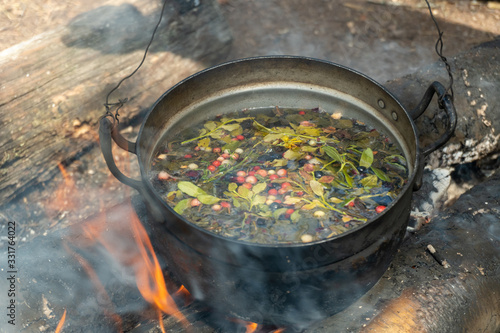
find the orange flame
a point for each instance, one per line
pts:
(150, 279)
(61, 322)
(250, 326)
(121, 233)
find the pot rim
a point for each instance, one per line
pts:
(407, 187)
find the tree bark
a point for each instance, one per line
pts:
(54, 85)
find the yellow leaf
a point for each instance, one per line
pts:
(346, 218)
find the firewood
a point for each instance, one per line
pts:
(54, 85)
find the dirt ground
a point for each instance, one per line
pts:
(381, 38)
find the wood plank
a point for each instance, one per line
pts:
(56, 82)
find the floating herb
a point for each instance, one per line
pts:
(280, 176)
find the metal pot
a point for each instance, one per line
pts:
(279, 284)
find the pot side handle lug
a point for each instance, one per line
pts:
(445, 103)
(106, 129)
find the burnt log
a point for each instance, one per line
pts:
(476, 75)
(54, 85)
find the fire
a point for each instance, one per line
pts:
(61, 322)
(250, 326)
(150, 279)
(121, 233)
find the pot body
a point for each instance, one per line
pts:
(277, 284)
(280, 284)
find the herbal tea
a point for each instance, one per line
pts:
(279, 175)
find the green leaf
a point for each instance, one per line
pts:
(295, 217)
(232, 187)
(259, 188)
(366, 159)
(236, 203)
(219, 134)
(344, 123)
(204, 142)
(369, 181)
(311, 131)
(244, 192)
(190, 189)
(182, 205)
(279, 163)
(292, 155)
(208, 199)
(309, 149)
(231, 127)
(333, 153)
(272, 137)
(292, 200)
(259, 200)
(380, 174)
(316, 187)
(210, 125)
(348, 178)
(335, 200)
(261, 127)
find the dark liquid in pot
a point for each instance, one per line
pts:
(278, 175)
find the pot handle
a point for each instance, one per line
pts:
(108, 130)
(445, 103)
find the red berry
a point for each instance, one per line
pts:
(196, 148)
(289, 211)
(281, 172)
(240, 179)
(300, 193)
(251, 179)
(187, 156)
(351, 203)
(247, 185)
(211, 168)
(240, 137)
(273, 177)
(285, 185)
(195, 202)
(216, 163)
(308, 167)
(262, 172)
(302, 112)
(216, 150)
(234, 139)
(241, 173)
(255, 168)
(278, 201)
(251, 173)
(282, 191)
(225, 155)
(273, 191)
(287, 216)
(225, 204)
(379, 209)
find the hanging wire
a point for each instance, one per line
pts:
(118, 105)
(439, 51)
